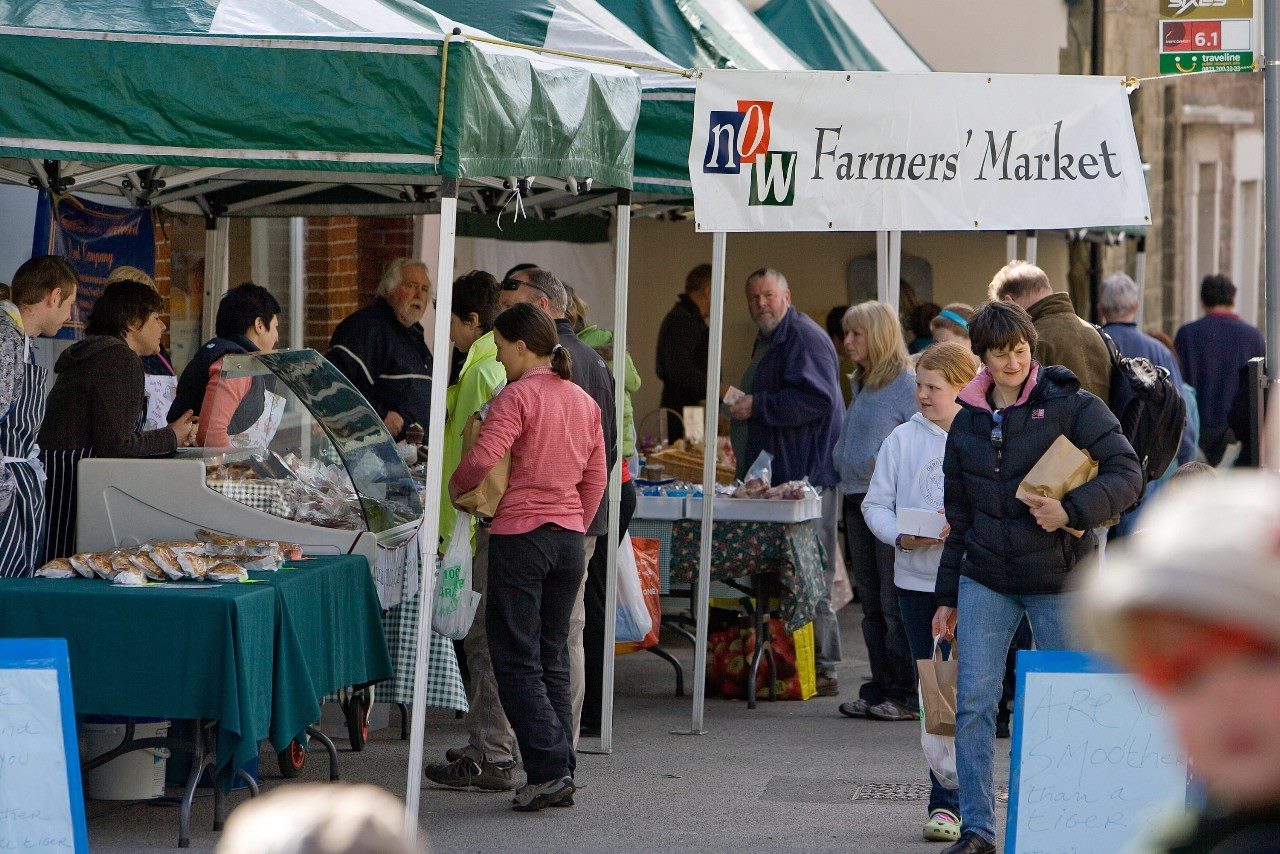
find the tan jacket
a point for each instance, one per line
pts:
(1067, 340)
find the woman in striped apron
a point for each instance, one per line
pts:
(42, 295)
(22, 481)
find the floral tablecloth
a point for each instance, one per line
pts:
(792, 551)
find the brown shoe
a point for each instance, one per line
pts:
(828, 686)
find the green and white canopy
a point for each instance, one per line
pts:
(678, 36)
(840, 35)
(188, 99)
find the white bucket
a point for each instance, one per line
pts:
(136, 776)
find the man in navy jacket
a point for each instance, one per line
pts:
(793, 408)
(383, 351)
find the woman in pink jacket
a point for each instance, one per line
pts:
(536, 558)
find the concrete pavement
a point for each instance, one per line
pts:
(786, 777)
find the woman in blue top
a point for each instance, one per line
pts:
(884, 396)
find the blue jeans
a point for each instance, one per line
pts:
(917, 610)
(987, 621)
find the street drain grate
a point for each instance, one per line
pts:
(813, 790)
(892, 792)
(905, 792)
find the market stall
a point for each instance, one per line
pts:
(835, 151)
(313, 111)
(255, 658)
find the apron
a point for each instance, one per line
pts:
(22, 526)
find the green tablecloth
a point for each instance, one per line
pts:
(255, 657)
(742, 549)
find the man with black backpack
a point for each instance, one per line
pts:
(1118, 306)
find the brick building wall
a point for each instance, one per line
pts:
(331, 282)
(345, 259)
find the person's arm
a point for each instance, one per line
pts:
(959, 517)
(880, 507)
(119, 399)
(632, 383)
(1096, 431)
(682, 354)
(222, 397)
(810, 376)
(594, 478)
(357, 352)
(498, 432)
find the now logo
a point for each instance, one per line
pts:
(735, 137)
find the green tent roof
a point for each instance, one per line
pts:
(840, 35)
(301, 85)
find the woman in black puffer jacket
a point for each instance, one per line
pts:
(1003, 559)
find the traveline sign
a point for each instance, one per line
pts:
(833, 151)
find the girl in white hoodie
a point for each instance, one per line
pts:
(908, 474)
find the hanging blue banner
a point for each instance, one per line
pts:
(96, 239)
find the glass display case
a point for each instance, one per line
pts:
(318, 454)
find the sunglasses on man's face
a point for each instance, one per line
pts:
(514, 285)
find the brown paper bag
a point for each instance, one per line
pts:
(938, 679)
(482, 502)
(1063, 468)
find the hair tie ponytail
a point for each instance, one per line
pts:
(561, 362)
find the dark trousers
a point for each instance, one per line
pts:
(917, 610)
(593, 635)
(892, 670)
(533, 582)
(1214, 442)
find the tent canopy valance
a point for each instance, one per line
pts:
(311, 103)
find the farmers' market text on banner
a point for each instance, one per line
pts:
(869, 151)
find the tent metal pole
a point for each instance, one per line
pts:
(621, 283)
(1271, 127)
(710, 429)
(882, 266)
(1032, 247)
(297, 282)
(217, 263)
(429, 530)
(1010, 246)
(895, 270)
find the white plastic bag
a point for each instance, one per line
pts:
(634, 619)
(456, 601)
(940, 753)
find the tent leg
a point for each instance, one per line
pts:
(710, 429)
(1032, 241)
(1010, 245)
(889, 266)
(429, 531)
(217, 270)
(621, 282)
(882, 266)
(895, 269)
(297, 282)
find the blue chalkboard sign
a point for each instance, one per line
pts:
(41, 802)
(1095, 766)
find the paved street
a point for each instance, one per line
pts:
(784, 777)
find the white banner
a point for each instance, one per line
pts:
(870, 151)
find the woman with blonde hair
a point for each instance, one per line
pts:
(884, 396)
(908, 474)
